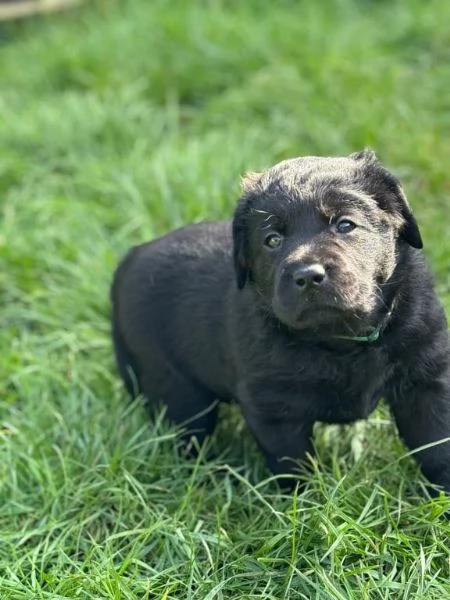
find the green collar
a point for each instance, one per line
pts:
(375, 332)
(372, 337)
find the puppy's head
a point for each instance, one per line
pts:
(318, 238)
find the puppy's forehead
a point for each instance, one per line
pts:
(311, 174)
(325, 184)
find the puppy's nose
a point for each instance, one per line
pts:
(309, 276)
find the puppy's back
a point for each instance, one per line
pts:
(169, 298)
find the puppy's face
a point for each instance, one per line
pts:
(319, 237)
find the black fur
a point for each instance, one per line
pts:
(210, 311)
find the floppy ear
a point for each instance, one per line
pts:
(410, 230)
(396, 199)
(250, 183)
(240, 242)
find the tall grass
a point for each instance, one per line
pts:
(119, 122)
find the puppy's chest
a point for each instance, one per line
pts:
(333, 388)
(347, 390)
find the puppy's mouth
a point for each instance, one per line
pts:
(331, 317)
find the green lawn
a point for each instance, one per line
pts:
(117, 123)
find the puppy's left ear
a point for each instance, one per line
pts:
(410, 230)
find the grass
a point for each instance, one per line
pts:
(119, 122)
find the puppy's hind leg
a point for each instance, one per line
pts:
(188, 404)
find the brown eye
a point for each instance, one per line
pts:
(273, 240)
(345, 226)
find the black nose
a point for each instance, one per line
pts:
(308, 276)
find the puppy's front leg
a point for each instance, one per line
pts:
(422, 414)
(284, 440)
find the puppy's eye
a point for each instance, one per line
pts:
(345, 226)
(273, 240)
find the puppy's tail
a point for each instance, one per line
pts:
(126, 363)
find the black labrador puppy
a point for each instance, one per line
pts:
(311, 305)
